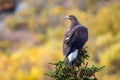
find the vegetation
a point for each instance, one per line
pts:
(79, 71)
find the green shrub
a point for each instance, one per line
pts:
(79, 71)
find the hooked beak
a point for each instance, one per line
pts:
(66, 17)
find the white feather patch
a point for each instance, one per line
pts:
(69, 29)
(73, 55)
(67, 38)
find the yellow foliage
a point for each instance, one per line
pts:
(103, 20)
(4, 43)
(36, 74)
(10, 21)
(32, 23)
(26, 13)
(29, 63)
(111, 57)
(57, 10)
(108, 19)
(109, 77)
(3, 63)
(21, 75)
(43, 21)
(41, 38)
(56, 33)
(104, 39)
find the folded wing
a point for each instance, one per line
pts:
(78, 38)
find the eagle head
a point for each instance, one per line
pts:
(73, 20)
(70, 17)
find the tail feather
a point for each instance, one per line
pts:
(71, 58)
(67, 62)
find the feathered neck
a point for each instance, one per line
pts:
(74, 23)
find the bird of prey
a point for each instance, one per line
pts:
(74, 40)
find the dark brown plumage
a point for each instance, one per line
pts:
(74, 40)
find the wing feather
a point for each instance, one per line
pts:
(76, 39)
(79, 38)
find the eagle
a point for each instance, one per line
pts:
(74, 40)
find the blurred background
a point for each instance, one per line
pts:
(32, 31)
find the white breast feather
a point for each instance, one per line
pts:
(73, 55)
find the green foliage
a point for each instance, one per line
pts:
(79, 71)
